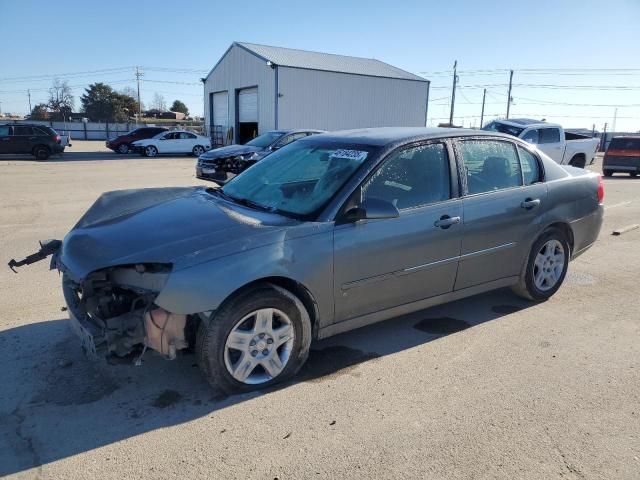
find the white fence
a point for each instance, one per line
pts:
(103, 131)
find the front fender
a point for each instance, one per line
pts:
(307, 260)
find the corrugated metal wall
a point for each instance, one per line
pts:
(241, 69)
(335, 101)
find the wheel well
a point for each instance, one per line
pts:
(40, 145)
(566, 229)
(296, 288)
(580, 156)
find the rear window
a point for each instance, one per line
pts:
(625, 144)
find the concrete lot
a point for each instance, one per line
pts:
(488, 387)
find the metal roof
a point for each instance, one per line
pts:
(329, 62)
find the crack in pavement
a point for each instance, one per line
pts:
(22, 444)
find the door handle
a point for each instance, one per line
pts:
(446, 221)
(530, 203)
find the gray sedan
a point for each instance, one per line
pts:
(327, 234)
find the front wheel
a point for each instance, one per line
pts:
(546, 266)
(633, 174)
(198, 150)
(256, 339)
(124, 148)
(607, 173)
(150, 151)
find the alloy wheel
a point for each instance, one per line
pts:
(549, 265)
(150, 151)
(259, 346)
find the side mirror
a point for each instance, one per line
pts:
(371, 209)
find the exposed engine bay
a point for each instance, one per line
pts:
(112, 311)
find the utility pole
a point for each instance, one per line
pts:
(604, 138)
(453, 91)
(484, 96)
(615, 118)
(138, 75)
(29, 95)
(509, 95)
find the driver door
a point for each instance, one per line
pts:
(380, 264)
(169, 143)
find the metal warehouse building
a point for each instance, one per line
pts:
(256, 88)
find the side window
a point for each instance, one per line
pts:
(187, 136)
(531, 136)
(4, 130)
(530, 167)
(412, 177)
(169, 136)
(490, 165)
(22, 130)
(40, 132)
(549, 135)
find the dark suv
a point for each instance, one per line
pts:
(38, 140)
(122, 144)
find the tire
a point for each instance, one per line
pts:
(578, 161)
(123, 149)
(150, 151)
(41, 152)
(607, 173)
(197, 150)
(633, 174)
(529, 286)
(237, 318)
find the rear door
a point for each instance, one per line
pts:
(5, 138)
(187, 142)
(169, 142)
(380, 264)
(502, 206)
(551, 143)
(23, 139)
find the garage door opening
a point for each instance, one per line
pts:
(247, 125)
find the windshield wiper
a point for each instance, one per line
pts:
(243, 201)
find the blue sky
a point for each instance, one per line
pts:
(69, 37)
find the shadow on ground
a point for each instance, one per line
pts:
(54, 404)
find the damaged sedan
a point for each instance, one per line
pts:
(327, 234)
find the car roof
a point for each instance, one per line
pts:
(296, 130)
(634, 137)
(388, 135)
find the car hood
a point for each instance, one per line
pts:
(178, 226)
(146, 141)
(229, 151)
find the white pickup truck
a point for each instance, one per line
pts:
(563, 147)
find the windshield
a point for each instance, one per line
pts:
(502, 128)
(300, 178)
(265, 140)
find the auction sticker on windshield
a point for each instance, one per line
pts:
(356, 155)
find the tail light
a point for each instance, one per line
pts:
(56, 138)
(600, 189)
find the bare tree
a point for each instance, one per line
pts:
(159, 103)
(131, 92)
(60, 98)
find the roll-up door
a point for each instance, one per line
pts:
(221, 109)
(248, 105)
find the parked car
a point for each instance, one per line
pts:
(123, 143)
(622, 155)
(174, 141)
(327, 234)
(221, 164)
(37, 140)
(564, 147)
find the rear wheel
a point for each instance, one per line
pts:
(607, 173)
(150, 151)
(633, 174)
(546, 266)
(124, 148)
(41, 152)
(198, 150)
(259, 338)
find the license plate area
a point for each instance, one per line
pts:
(86, 339)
